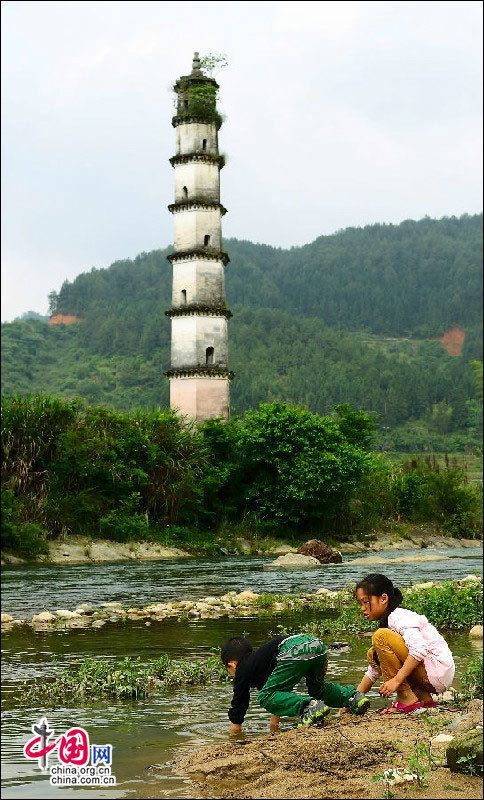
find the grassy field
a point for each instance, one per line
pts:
(472, 464)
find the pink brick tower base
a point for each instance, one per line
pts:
(200, 398)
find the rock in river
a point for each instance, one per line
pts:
(44, 616)
(323, 552)
(293, 561)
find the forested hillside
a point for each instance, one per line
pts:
(352, 317)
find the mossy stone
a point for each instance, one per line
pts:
(464, 753)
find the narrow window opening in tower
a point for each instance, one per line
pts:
(206, 240)
(204, 144)
(184, 297)
(209, 356)
(185, 192)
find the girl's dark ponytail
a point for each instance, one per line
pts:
(394, 600)
(376, 584)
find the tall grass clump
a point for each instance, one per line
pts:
(471, 680)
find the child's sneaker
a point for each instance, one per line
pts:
(314, 714)
(358, 703)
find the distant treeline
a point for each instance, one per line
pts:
(352, 317)
(68, 468)
(412, 279)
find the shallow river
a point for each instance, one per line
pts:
(148, 735)
(28, 589)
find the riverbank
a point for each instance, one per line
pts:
(345, 759)
(85, 550)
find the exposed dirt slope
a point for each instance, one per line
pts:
(453, 340)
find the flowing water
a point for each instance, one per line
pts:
(29, 589)
(147, 735)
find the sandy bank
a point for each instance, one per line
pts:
(407, 538)
(369, 560)
(337, 761)
(83, 550)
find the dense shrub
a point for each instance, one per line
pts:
(25, 538)
(372, 501)
(75, 469)
(427, 492)
(121, 527)
(202, 541)
(68, 468)
(450, 606)
(291, 466)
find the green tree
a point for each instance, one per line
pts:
(358, 427)
(477, 365)
(440, 417)
(296, 467)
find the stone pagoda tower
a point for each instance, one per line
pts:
(199, 374)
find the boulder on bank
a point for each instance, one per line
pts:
(476, 632)
(293, 561)
(323, 552)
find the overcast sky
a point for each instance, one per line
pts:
(338, 114)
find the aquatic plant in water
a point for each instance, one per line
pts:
(126, 678)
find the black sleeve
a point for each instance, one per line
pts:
(240, 700)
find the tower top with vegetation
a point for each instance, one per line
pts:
(197, 96)
(196, 74)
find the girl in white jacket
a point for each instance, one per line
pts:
(409, 652)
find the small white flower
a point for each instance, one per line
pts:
(396, 776)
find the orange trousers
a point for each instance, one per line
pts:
(391, 652)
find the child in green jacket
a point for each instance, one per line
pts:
(275, 669)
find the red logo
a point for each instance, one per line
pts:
(72, 747)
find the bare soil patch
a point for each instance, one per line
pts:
(453, 340)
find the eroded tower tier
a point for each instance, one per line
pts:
(199, 374)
